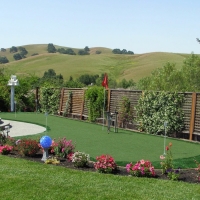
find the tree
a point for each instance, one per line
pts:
(17, 56)
(88, 79)
(116, 51)
(49, 74)
(3, 60)
(3, 50)
(50, 78)
(198, 40)
(130, 52)
(124, 51)
(191, 73)
(70, 52)
(13, 49)
(83, 52)
(51, 48)
(23, 51)
(127, 84)
(86, 49)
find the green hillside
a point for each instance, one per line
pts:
(117, 66)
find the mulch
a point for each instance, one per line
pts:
(186, 175)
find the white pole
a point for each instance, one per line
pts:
(12, 98)
(165, 125)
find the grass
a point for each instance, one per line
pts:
(125, 146)
(117, 66)
(22, 179)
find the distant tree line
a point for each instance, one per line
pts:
(51, 49)
(123, 51)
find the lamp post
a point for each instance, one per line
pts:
(165, 125)
(12, 82)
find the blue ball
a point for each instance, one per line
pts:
(45, 141)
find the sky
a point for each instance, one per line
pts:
(141, 26)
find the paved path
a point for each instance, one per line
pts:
(21, 128)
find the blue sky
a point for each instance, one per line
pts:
(141, 26)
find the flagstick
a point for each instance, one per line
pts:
(103, 108)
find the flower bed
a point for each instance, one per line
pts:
(104, 163)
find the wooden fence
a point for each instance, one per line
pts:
(79, 110)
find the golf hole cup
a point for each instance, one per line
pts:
(45, 142)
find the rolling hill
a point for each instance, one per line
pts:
(117, 66)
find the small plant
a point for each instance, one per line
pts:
(198, 170)
(62, 147)
(166, 162)
(167, 165)
(141, 169)
(28, 147)
(52, 160)
(173, 174)
(80, 159)
(10, 141)
(6, 149)
(105, 164)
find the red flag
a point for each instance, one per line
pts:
(105, 81)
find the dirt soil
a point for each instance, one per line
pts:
(186, 175)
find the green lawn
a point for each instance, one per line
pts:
(125, 146)
(28, 180)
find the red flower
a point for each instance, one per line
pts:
(167, 148)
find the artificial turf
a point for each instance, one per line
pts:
(125, 146)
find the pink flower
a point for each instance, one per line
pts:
(162, 157)
(142, 162)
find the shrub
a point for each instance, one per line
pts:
(105, 164)
(141, 168)
(80, 159)
(4, 150)
(95, 97)
(28, 147)
(154, 108)
(62, 147)
(125, 112)
(49, 99)
(6, 140)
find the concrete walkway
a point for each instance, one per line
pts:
(22, 128)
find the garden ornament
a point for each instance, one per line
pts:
(45, 142)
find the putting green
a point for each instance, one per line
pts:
(125, 146)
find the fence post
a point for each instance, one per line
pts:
(192, 117)
(61, 100)
(82, 106)
(108, 108)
